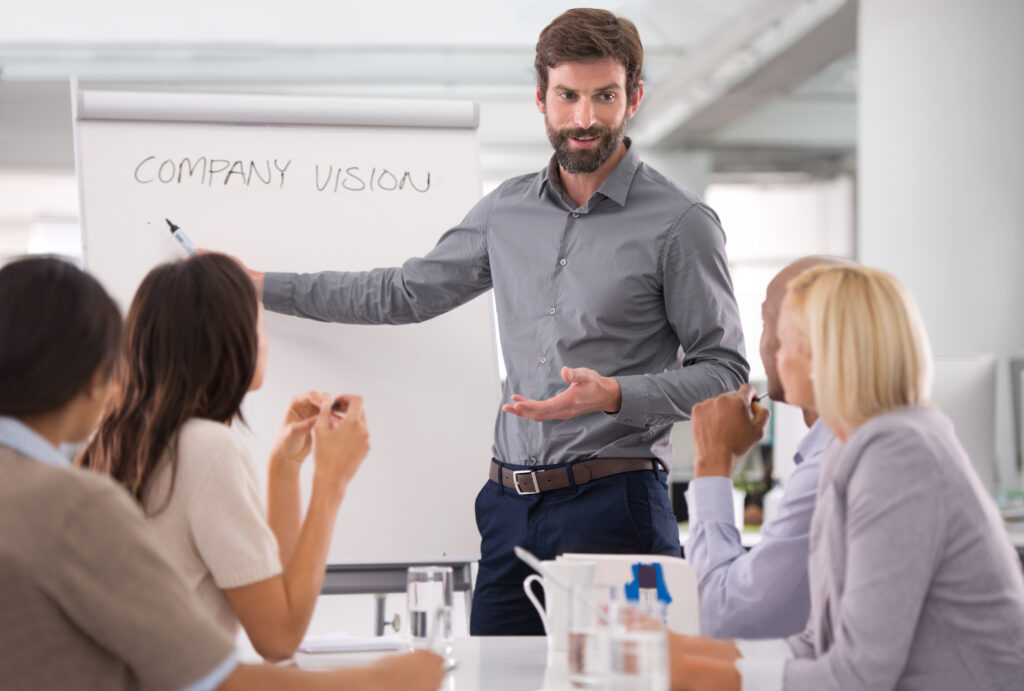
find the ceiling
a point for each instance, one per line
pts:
(760, 84)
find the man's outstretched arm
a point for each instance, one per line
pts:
(454, 272)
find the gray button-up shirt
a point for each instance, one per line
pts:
(633, 284)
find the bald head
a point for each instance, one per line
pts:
(770, 316)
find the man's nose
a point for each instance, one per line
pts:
(583, 115)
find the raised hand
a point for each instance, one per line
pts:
(724, 428)
(588, 392)
(340, 443)
(294, 440)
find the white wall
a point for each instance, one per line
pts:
(941, 164)
(688, 168)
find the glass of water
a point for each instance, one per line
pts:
(589, 635)
(639, 649)
(429, 591)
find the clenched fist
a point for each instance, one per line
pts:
(724, 428)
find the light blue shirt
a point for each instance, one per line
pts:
(762, 593)
(214, 679)
(16, 435)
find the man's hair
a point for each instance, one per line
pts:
(588, 35)
(869, 349)
(58, 328)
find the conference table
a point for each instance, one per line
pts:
(485, 663)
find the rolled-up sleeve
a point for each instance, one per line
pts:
(702, 311)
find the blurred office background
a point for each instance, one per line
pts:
(887, 132)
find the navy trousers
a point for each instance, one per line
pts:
(628, 513)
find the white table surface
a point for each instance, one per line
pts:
(485, 663)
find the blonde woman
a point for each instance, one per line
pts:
(913, 582)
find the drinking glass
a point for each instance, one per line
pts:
(429, 592)
(589, 636)
(639, 649)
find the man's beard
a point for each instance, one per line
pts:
(584, 160)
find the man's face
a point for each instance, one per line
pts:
(770, 338)
(585, 112)
(793, 360)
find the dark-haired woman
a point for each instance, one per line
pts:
(86, 599)
(194, 346)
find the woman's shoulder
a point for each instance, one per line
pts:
(210, 436)
(912, 440)
(207, 447)
(912, 425)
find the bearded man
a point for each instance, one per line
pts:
(616, 313)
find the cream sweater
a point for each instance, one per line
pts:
(214, 528)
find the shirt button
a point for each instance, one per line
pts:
(532, 461)
(543, 359)
(562, 262)
(551, 311)
(575, 214)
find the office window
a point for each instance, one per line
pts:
(768, 223)
(39, 214)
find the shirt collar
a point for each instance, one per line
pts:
(615, 187)
(813, 443)
(16, 435)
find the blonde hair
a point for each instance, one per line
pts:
(869, 349)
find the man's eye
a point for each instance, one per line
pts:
(566, 96)
(606, 97)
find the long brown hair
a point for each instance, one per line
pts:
(190, 350)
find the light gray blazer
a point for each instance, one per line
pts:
(914, 583)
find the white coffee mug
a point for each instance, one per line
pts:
(556, 618)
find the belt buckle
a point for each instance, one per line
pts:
(533, 476)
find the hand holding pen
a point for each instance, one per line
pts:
(340, 442)
(724, 428)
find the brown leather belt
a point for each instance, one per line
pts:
(543, 480)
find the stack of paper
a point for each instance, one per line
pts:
(341, 642)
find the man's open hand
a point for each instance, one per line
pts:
(588, 392)
(724, 428)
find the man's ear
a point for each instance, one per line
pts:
(538, 98)
(635, 98)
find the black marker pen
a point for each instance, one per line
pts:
(182, 238)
